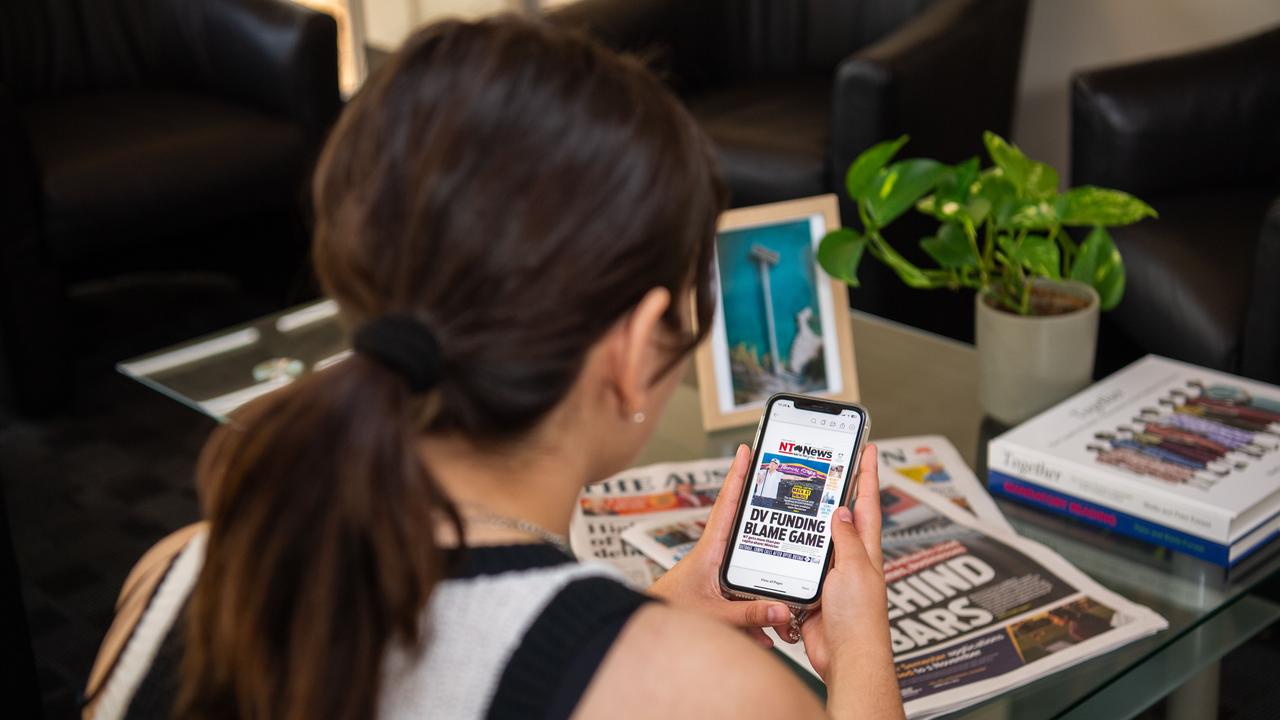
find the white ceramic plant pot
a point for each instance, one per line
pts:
(1028, 363)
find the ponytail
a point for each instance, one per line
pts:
(321, 552)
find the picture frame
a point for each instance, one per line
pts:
(781, 323)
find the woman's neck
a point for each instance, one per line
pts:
(534, 482)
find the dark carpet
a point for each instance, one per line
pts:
(89, 490)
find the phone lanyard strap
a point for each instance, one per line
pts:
(797, 619)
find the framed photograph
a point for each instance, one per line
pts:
(781, 323)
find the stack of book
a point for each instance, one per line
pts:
(1170, 453)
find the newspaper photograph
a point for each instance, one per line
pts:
(667, 539)
(975, 611)
(932, 462)
(664, 492)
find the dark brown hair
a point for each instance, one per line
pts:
(516, 188)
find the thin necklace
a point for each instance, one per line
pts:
(483, 517)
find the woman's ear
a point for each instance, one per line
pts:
(638, 349)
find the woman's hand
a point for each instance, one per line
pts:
(851, 624)
(694, 582)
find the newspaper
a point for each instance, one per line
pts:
(666, 490)
(929, 461)
(976, 611)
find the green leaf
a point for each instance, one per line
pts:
(1034, 215)
(1033, 180)
(1039, 254)
(944, 210)
(1015, 166)
(950, 247)
(1005, 242)
(1088, 205)
(999, 194)
(859, 180)
(977, 209)
(1036, 253)
(899, 186)
(1042, 181)
(957, 182)
(1099, 264)
(952, 198)
(840, 252)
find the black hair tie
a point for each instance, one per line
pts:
(405, 345)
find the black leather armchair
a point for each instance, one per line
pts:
(792, 91)
(1198, 137)
(149, 135)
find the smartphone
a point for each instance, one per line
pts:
(804, 464)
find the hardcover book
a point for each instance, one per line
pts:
(1164, 451)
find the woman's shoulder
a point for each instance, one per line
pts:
(599, 647)
(673, 662)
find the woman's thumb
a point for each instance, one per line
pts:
(758, 613)
(845, 543)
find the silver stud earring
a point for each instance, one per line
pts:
(638, 417)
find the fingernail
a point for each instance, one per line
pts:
(777, 615)
(844, 515)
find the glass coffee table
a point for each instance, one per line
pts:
(913, 383)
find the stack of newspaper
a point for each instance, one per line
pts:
(974, 609)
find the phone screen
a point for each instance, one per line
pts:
(802, 465)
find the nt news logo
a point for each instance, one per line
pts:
(808, 451)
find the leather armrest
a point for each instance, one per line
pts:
(944, 77)
(657, 31)
(273, 54)
(620, 24)
(34, 365)
(19, 175)
(1261, 342)
(1199, 120)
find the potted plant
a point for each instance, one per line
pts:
(1003, 231)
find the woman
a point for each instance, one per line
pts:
(513, 222)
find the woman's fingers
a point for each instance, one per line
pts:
(866, 509)
(720, 522)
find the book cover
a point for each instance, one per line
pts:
(1160, 445)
